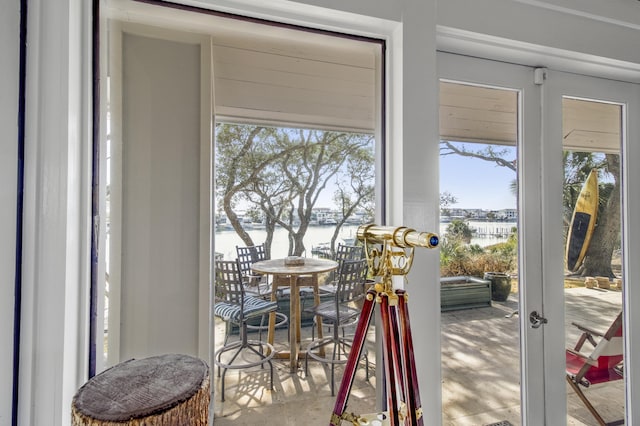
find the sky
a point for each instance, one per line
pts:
(477, 184)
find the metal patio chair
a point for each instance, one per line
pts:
(236, 307)
(340, 312)
(257, 284)
(343, 252)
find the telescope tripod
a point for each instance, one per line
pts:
(389, 253)
(402, 394)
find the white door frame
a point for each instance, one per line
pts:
(519, 78)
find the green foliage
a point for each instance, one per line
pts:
(446, 201)
(277, 174)
(458, 229)
(460, 259)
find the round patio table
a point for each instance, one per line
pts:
(294, 277)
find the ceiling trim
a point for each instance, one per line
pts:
(469, 43)
(177, 5)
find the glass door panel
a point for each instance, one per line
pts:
(588, 153)
(484, 281)
(479, 288)
(593, 280)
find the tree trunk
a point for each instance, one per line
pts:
(164, 390)
(298, 244)
(605, 238)
(235, 222)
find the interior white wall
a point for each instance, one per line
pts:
(10, 48)
(52, 353)
(161, 190)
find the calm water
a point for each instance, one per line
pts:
(487, 233)
(226, 241)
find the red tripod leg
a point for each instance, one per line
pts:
(354, 356)
(414, 406)
(390, 357)
(400, 361)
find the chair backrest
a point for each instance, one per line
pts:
(347, 252)
(602, 364)
(350, 280)
(248, 256)
(609, 350)
(228, 283)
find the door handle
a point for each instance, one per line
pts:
(536, 319)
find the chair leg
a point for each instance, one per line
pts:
(339, 355)
(366, 364)
(270, 375)
(306, 365)
(227, 331)
(235, 348)
(222, 385)
(336, 348)
(224, 370)
(590, 407)
(261, 327)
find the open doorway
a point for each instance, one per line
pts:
(173, 79)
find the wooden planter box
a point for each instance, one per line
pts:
(464, 293)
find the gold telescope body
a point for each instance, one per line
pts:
(395, 255)
(400, 236)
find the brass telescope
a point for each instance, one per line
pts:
(396, 256)
(389, 251)
(400, 236)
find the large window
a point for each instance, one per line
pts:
(300, 191)
(182, 88)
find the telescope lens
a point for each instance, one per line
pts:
(433, 241)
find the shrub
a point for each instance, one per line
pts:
(460, 230)
(460, 259)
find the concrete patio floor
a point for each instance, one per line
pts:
(480, 373)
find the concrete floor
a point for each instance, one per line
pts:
(480, 356)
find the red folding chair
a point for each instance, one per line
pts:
(603, 364)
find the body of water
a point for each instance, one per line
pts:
(487, 233)
(227, 240)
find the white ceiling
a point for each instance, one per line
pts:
(478, 114)
(273, 74)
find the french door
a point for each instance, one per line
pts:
(594, 117)
(544, 101)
